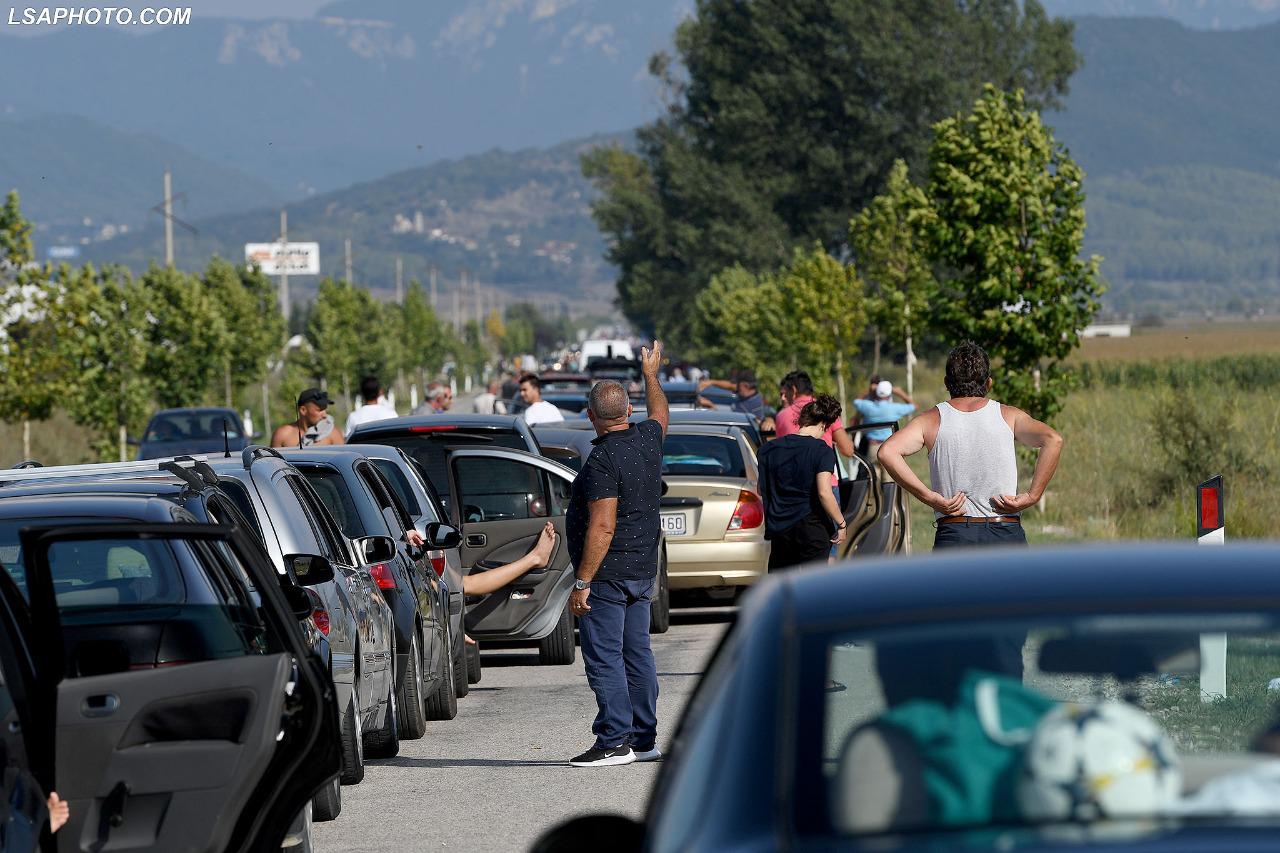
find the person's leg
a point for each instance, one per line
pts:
(642, 672)
(782, 551)
(601, 632)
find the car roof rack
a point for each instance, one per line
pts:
(254, 452)
(92, 469)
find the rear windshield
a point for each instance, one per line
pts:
(192, 425)
(336, 497)
(702, 455)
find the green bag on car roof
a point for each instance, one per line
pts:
(971, 749)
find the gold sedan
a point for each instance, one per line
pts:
(712, 514)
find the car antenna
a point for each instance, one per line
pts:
(226, 441)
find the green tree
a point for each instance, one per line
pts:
(888, 249)
(349, 337)
(1007, 222)
(422, 338)
(187, 336)
(15, 233)
(548, 332)
(247, 300)
(785, 117)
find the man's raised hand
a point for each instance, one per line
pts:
(651, 359)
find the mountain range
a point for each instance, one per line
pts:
(366, 120)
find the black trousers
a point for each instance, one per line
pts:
(803, 542)
(978, 534)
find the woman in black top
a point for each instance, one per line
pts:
(802, 518)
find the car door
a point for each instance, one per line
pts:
(22, 799)
(218, 754)
(503, 500)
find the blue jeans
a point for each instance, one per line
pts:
(619, 663)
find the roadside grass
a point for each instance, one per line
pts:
(1191, 342)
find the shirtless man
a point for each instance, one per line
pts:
(313, 404)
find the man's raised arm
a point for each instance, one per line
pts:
(655, 400)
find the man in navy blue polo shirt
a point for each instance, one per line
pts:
(613, 534)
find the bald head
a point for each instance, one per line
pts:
(608, 400)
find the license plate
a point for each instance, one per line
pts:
(674, 524)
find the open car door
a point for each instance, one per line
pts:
(23, 815)
(874, 506)
(504, 497)
(216, 750)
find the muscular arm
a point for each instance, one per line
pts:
(655, 400)
(906, 441)
(718, 383)
(600, 527)
(1030, 432)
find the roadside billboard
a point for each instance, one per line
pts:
(284, 258)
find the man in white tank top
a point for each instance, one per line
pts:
(973, 470)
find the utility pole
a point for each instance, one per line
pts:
(462, 289)
(168, 218)
(457, 310)
(285, 304)
(347, 245)
(399, 281)
(434, 274)
(479, 306)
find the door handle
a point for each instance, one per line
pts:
(477, 540)
(102, 705)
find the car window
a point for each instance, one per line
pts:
(702, 455)
(188, 426)
(400, 483)
(431, 451)
(383, 494)
(561, 490)
(111, 572)
(333, 492)
(239, 496)
(494, 489)
(321, 520)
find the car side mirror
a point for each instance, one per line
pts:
(611, 832)
(299, 602)
(308, 569)
(440, 535)
(376, 549)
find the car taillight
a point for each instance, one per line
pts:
(749, 513)
(437, 562)
(381, 574)
(319, 615)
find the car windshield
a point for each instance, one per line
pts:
(702, 456)
(1053, 721)
(188, 426)
(334, 494)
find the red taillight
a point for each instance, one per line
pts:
(381, 574)
(319, 615)
(432, 428)
(749, 513)
(437, 562)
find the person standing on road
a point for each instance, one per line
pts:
(747, 393)
(487, 402)
(802, 517)
(374, 407)
(613, 533)
(880, 408)
(439, 399)
(797, 392)
(973, 469)
(539, 411)
(313, 406)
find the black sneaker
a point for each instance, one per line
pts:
(596, 757)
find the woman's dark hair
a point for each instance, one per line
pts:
(968, 370)
(823, 411)
(799, 382)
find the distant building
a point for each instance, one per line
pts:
(1108, 330)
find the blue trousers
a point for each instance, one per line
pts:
(619, 663)
(970, 535)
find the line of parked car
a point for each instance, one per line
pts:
(199, 650)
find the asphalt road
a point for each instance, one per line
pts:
(495, 777)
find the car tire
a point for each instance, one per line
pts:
(557, 648)
(461, 676)
(442, 704)
(412, 710)
(660, 607)
(327, 803)
(475, 667)
(352, 743)
(385, 742)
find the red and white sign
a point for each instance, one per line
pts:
(284, 258)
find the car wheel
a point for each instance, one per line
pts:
(475, 668)
(385, 742)
(557, 648)
(461, 676)
(327, 803)
(442, 704)
(660, 607)
(352, 743)
(413, 716)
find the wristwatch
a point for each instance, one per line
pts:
(581, 584)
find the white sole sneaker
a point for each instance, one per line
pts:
(648, 755)
(610, 761)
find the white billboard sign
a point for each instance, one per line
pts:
(284, 258)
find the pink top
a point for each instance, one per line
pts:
(787, 421)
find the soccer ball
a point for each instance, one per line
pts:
(1093, 762)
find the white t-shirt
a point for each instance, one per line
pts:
(368, 413)
(542, 412)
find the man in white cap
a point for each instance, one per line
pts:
(879, 407)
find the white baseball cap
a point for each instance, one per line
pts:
(884, 389)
